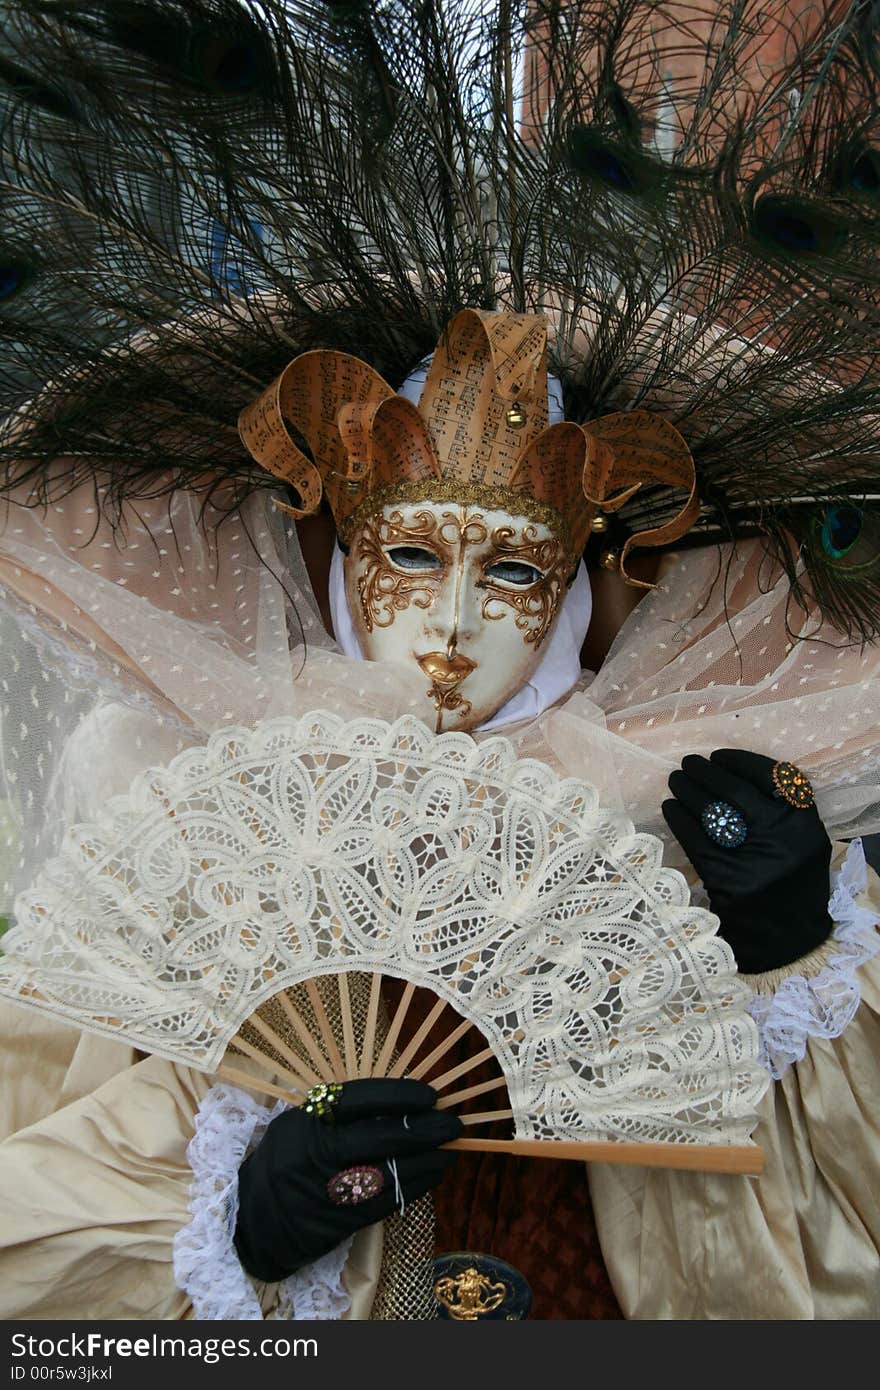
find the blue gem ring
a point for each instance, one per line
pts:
(724, 824)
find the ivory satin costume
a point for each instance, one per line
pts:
(233, 236)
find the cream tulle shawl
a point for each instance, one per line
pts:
(203, 622)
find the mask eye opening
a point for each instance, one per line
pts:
(413, 559)
(519, 575)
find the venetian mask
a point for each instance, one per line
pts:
(466, 594)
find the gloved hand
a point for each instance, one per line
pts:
(771, 893)
(286, 1218)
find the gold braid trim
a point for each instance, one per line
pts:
(465, 495)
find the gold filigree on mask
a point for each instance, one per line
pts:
(455, 586)
(383, 589)
(449, 700)
(537, 605)
(446, 674)
(470, 495)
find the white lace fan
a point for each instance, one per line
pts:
(315, 847)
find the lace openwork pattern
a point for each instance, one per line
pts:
(311, 846)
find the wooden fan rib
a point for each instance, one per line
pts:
(394, 1030)
(369, 1042)
(349, 1045)
(256, 1083)
(420, 1072)
(441, 1082)
(328, 1038)
(485, 1117)
(742, 1159)
(446, 1102)
(417, 1039)
(302, 1031)
(295, 1062)
(267, 1064)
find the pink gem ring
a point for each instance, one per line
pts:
(351, 1186)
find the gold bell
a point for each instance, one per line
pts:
(610, 559)
(599, 522)
(515, 417)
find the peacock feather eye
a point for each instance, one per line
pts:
(864, 174)
(596, 157)
(230, 58)
(841, 528)
(14, 276)
(796, 226)
(228, 64)
(21, 83)
(349, 9)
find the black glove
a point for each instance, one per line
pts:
(286, 1218)
(771, 893)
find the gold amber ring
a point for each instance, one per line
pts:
(793, 786)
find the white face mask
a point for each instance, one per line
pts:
(470, 596)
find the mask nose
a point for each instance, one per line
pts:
(456, 611)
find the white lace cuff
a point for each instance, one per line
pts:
(229, 1123)
(821, 1005)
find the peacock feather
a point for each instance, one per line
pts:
(194, 191)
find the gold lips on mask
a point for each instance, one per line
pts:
(445, 671)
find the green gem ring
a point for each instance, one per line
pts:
(321, 1099)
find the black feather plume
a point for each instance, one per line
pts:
(194, 191)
